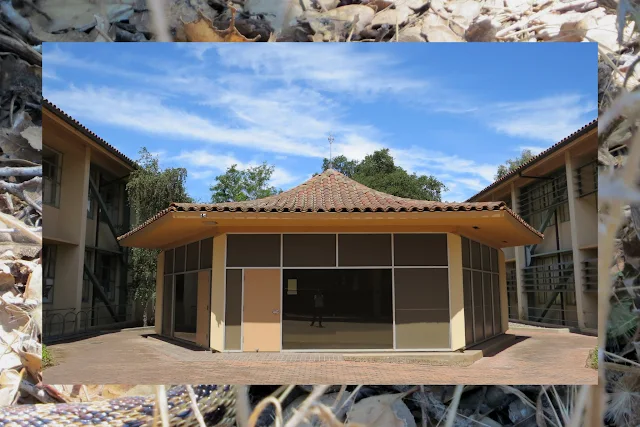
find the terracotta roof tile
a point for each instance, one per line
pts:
(583, 130)
(76, 124)
(332, 191)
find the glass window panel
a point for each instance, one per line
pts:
(168, 261)
(358, 250)
(486, 262)
(309, 250)
(466, 255)
(327, 298)
(476, 260)
(193, 256)
(186, 307)
(420, 249)
(167, 305)
(253, 250)
(206, 253)
(180, 254)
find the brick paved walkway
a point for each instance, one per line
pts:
(126, 357)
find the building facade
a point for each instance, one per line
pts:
(85, 282)
(555, 282)
(332, 265)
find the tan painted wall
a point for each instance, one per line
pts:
(456, 295)
(216, 336)
(159, 293)
(261, 298)
(504, 305)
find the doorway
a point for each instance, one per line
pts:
(261, 310)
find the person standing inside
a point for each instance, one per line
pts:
(318, 306)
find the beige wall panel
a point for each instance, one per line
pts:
(261, 312)
(456, 292)
(233, 311)
(159, 293)
(217, 293)
(422, 329)
(203, 313)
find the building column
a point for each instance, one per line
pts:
(456, 292)
(159, 292)
(575, 218)
(520, 261)
(218, 287)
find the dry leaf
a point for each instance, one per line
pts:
(387, 410)
(9, 386)
(203, 30)
(32, 362)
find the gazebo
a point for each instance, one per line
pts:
(332, 265)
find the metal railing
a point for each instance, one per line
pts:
(551, 293)
(586, 177)
(548, 278)
(543, 195)
(64, 323)
(590, 275)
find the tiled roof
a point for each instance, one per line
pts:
(76, 124)
(583, 130)
(332, 191)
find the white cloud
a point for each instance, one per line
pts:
(548, 119)
(148, 114)
(535, 150)
(337, 68)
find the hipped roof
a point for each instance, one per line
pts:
(332, 192)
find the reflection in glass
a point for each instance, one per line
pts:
(167, 304)
(186, 297)
(337, 309)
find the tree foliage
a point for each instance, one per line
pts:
(513, 164)
(237, 185)
(379, 172)
(151, 189)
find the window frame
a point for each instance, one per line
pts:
(56, 181)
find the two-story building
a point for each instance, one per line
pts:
(85, 281)
(555, 282)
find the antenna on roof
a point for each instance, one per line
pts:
(331, 139)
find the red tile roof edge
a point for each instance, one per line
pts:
(88, 133)
(438, 207)
(575, 135)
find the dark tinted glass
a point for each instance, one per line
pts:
(185, 319)
(180, 259)
(309, 250)
(420, 249)
(168, 262)
(488, 304)
(468, 306)
(494, 260)
(358, 250)
(478, 306)
(466, 257)
(167, 304)
(193, 257)
(206, 253)
(497, 315)
(253, 250)
(476, 260)
(353, 306)
(486, 262)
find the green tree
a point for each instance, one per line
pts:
(379, 172)
(513, 164)
(237, 185)
(341, 164)
(151, 189)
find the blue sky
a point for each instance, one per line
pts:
(453, 110)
